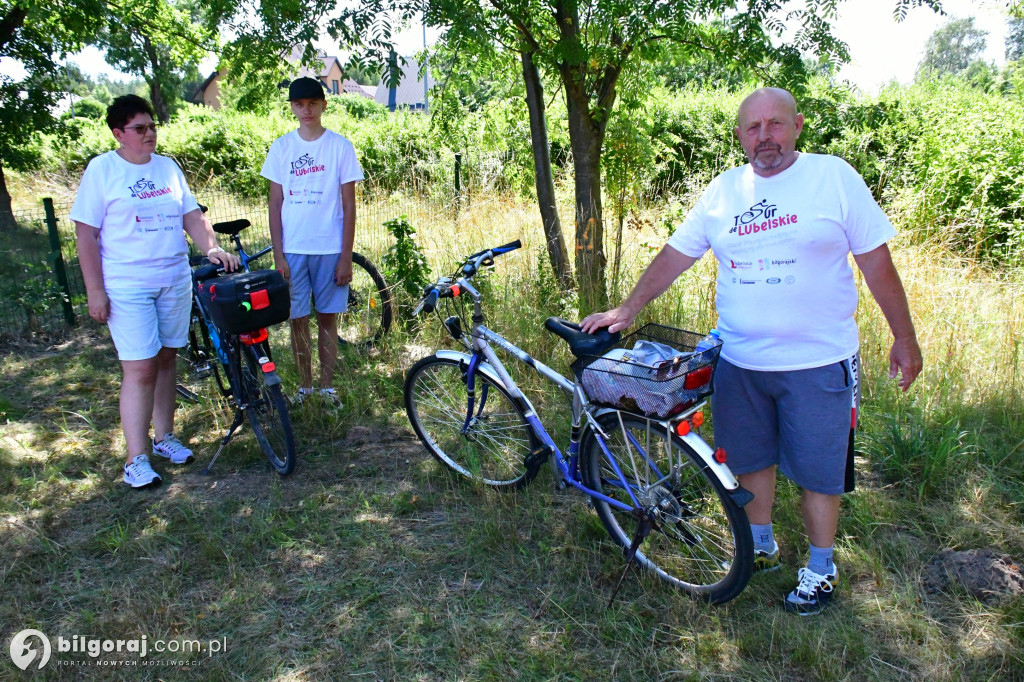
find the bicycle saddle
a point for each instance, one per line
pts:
(581, 343)
(231, 227)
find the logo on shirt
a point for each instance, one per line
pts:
(760, 217)
(145, 189)
(305, 165)
(740, 264)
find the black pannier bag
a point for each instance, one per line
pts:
(246, 301)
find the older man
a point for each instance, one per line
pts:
(786, 389)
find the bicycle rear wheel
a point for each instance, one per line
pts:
(267, 411)
(495, 444)
(369, 313)
(701, 540)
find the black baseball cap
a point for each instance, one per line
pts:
(305, 88)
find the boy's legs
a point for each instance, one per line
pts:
(301, 347)
(327, 346)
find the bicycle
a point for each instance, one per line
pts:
(241, 364)
(662, 493)
(370, 310)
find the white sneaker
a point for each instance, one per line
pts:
(301, 397)
(139, 473)
(330, 398)
(173, 449)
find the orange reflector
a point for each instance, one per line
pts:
(268, 367)
(456, 290)
(697, 418)
(720, 455)
(683, 428)
(251, 338)
(373, 303)
(697, 378)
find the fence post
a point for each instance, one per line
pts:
(458, 180)
(56, 259)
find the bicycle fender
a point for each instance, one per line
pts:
(698, 445)
(704, 451)
(487, 370)
(271, 379)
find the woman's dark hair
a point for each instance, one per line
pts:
(124, 108)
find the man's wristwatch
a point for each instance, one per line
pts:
(215, 249)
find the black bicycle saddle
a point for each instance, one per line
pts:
(581, 343)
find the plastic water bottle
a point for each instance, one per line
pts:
(708, 342)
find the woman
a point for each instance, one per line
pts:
(129, 213)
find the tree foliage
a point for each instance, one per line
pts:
(952, 49)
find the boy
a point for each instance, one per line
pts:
(312, 173)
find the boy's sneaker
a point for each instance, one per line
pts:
(302, 396)
(139, 473)
(330, 397)
(173, 449)
(765, 562)
(813, 593)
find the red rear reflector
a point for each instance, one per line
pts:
(251, 338)
(260, 299)
(268, 367)
(697, 418)
(697, 378)
(720, 455)
(456, 290)
(683, 428)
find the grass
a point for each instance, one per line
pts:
(371, 563)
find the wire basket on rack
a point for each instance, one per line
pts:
(659, 390)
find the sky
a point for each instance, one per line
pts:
(881, 50)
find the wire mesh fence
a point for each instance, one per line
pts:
(33, 299)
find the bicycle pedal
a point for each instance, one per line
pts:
(537, 458)
(203, 371)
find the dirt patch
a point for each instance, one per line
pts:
(987, 574)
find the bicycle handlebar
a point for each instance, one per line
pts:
(446, 288)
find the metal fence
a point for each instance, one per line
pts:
(41, 287)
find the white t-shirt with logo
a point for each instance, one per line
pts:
(311, 175)
(138, 210)
(785, 291)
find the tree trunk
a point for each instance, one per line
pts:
(557, 252)
(155, 95)
(6, 209)
(587, 137)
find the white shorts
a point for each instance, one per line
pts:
(142, 321)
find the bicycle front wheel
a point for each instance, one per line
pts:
(267, 412)
(491, 445)
(369, 313)
(701, 539)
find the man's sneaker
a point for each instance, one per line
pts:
(765, 562)
(813, 593)
(302, 396)
(173, 449)
(139, 473)
(330, 397)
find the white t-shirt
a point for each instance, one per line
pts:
(785, 291)
(311, 175)
(138, 210)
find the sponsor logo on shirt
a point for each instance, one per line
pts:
(145, 189)
(740, 264)
(760, 217)
(305, 165)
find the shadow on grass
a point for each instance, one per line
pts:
(371, 563)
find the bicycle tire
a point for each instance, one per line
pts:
(701, 542)
(267, 411)
(369, 314)
(499, 440)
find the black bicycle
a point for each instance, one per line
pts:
(241, 363)
(369, 313)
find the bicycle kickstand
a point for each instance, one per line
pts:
(239, 415)
(643, 529)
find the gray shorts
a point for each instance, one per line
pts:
(313, 275)
(803, 421)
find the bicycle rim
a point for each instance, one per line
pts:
(701, 541)
(493, 448)
(268, 414)
(369, 313)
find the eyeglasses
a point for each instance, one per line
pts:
(143, 127)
